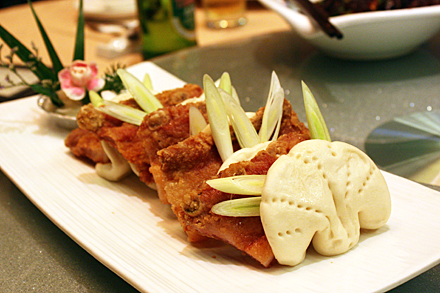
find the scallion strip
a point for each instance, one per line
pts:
(146, 100)
(147, 82)
(317, 126)
(122, 112)
(244, 184)
(244, 130)
(96, 99)
(196, 121)
(273, 112)
(225, 83)
(217, 118)
(242, 207)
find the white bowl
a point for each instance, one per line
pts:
(367, 35)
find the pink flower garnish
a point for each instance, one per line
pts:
(78, 78)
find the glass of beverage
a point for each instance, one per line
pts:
(166, 25)
(224, 13)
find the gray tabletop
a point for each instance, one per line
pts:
(355, 98)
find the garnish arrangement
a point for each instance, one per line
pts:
(59, 83)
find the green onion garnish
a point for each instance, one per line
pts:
(244, 184)
(273, 112)
(147, 82)
(318, 128)
(146, 100)
(116, 110)
(225, 83)
(95, 99)
(244, 130)
(196, 121)
(250, 184)
(217, 118)
(122, 112)
(242, 207)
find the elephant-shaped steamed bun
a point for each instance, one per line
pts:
(322, 192)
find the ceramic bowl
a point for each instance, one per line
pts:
(367, 35)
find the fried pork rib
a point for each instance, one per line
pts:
(181, 172)
(85, 144)
(123, 136)
(163, 128)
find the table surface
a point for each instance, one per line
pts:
(38, 257)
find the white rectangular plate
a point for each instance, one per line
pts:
(124, 225)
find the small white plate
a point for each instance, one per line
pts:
(367, 35)
(65, 119)
(125, 226)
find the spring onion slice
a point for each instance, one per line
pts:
(273, 112)
(225, 83)
(318, 128)
(242, 207)
(96, 99)
(196, 121)
(235, 95)
(147, 82)
(122, 112)
(243, 184)
(217, 118)
(244, 130)
(146, 100)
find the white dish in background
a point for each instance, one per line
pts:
(109, 10)
(124, 225)
(367, 35)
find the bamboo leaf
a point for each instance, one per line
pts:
(79, 41)
(38, 68)
(47, 92)
(56, 62)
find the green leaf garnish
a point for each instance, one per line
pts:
(79, 40)
(242, 207)
(244, 184)
(217, 117)
(56, 62)
(318, 128)
(37, 67)
(145, 99)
